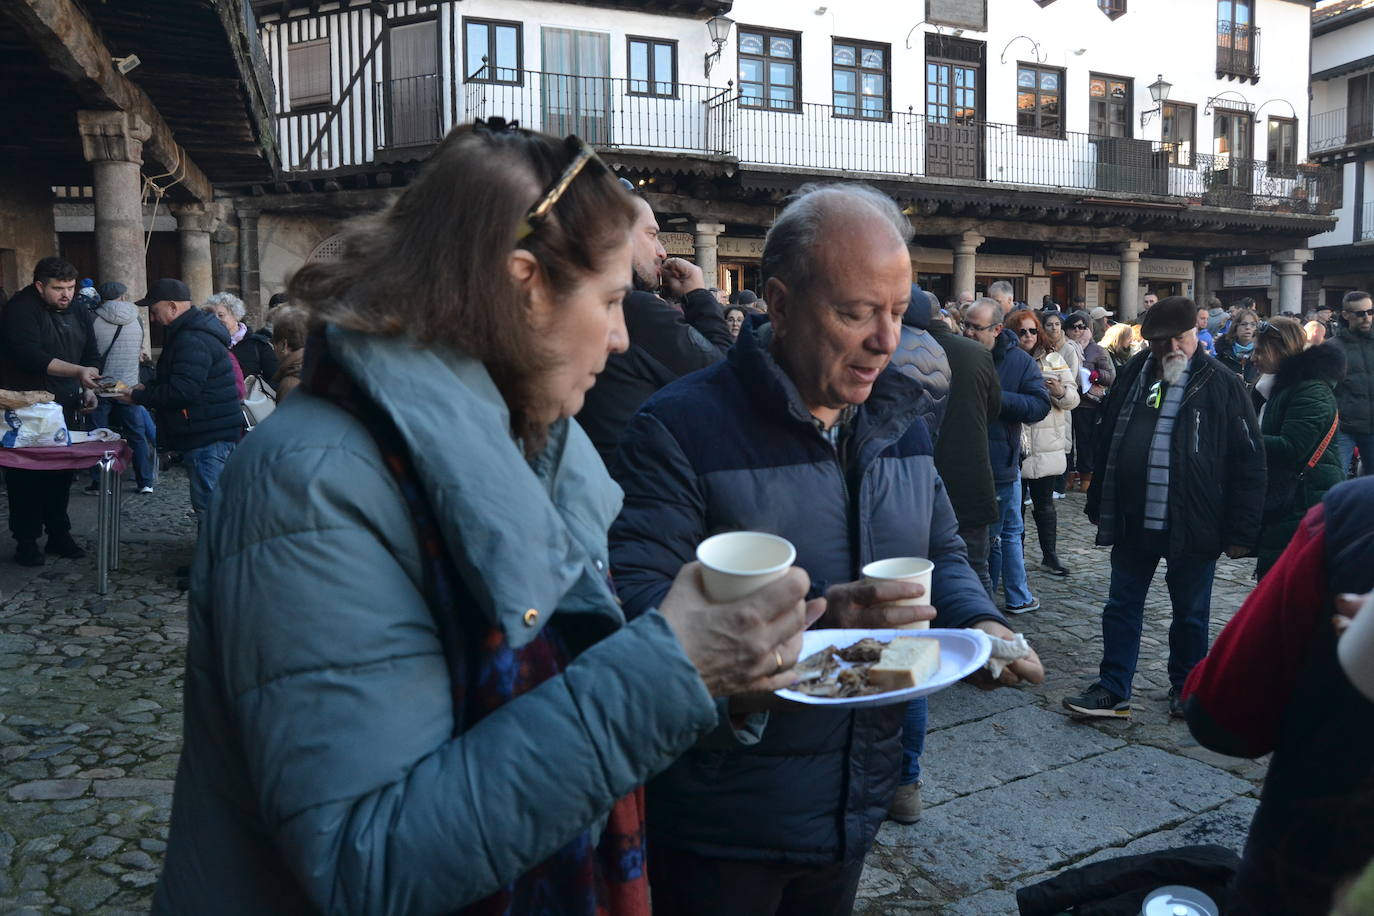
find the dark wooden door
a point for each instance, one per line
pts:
(1358, 116)
(953, 128)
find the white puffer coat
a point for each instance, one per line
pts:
(1046, 444)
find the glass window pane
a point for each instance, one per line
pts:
(639, 61)
(1049, 123)
(874, 59)
(781, 97)
(750, 43)
(873, 107)
(932, 93)
(845, 102)
(874, 84)
(477, 47)
(663, 65)
(1025, 101)
(1049, 104)
(750, 71)
(1097, 88)
(1118, 89)
(780, 74)
(751, 93)
(844, 55)
(1025, 77)
(1049, 80)
(507, 48)
(844, 80)
(780, 47)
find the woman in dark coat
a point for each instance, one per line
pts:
(1296, 400)
(253, 349)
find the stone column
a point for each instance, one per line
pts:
(1289, 264)
(965, 260)
(706, 234)
(248, 266)
(1129, 309)
(193, 232)
(1200, 290)
(112, 142)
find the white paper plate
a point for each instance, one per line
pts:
(962, 652)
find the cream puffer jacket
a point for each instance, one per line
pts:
(1046, 444)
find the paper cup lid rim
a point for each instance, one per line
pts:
(721, 568)
(930, 565)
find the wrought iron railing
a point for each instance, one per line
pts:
(1342, 127)
(1367, 223)
(409, 112)
(1237, 49)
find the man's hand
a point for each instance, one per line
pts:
(1235, 551)
(88, 401)
(681, 277)
(1028, 670)
(87, 376)
(868, 605)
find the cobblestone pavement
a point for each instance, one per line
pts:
(90, 720)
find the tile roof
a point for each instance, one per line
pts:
(1330, 11)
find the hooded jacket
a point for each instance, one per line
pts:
(120, 347)
(1297, 417)
(920, 357)
(734, 447)
(1356, 393)
(255, 355)
(195, 396)
(1024, 400)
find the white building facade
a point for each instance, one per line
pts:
(1023, 136)
(1342, 136)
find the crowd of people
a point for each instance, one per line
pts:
(518, 466)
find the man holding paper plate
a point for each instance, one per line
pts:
(804, 432)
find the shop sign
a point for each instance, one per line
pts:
(1104, 264)
(1157, 267)
(678, 243)
(1246, 275)
(1072, 259)
(1003, 264)
(1091, 295)
(932, 260)
(739, 248)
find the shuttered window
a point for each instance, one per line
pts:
(308, 63)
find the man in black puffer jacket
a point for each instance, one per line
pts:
(196, 399)
(806, 432)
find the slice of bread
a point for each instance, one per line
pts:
(907, 661)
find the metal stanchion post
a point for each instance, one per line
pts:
(104, 519)
(118, 518)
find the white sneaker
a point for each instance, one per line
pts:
(145, 489)
(1058, 495)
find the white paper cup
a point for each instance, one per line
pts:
(904, 569)
(737, 563)
(1355, 651)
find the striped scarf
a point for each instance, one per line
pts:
(1157, 473)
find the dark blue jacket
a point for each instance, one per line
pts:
(195, 397)
(1025, 399)
(734, 447)
(919, 356)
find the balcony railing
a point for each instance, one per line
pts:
(1332, 130)
(1367, 225)
(1237, 49)
(408, 112)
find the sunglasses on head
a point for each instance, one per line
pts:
(581, 155)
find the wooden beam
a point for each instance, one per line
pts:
(72, 47)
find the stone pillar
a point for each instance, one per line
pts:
(248, 266)
(965, 260)
(1200, 291)
(1129, 308)
(706, 234)
(1289, 264)
(193, 232)
(112, 142)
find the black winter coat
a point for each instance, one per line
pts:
(256, 356)
(1025, 399)
(665, 344)
(1216, 464)
(195, 397)
(733, 447)
(961, 452)
(1355, 395)
(32, 336)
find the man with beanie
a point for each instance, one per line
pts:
(1179, 477)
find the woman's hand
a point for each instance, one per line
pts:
(1055, 386)
(748, 645)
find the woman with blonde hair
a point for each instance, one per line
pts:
(1045, 444)
(1120, 343)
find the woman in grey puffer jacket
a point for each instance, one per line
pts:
(119, 340)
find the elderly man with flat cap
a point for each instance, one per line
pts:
(1179, 477)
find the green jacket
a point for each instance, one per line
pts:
(320, 771)
(1297, 417)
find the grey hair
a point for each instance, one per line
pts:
(988, 303)
(233, 303)
(1000, 288)
(789, 250)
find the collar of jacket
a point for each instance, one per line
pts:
(1005, 341)
(521, 536)
(892, 405)
(1200, 370)
(193, 319)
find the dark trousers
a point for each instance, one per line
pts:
(1135, 556)
(1084, 439)
(38, 500)
(1042, 491)
(683, 884)
(976, 540)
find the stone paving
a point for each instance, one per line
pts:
(90, 720)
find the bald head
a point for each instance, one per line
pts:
(983, 321)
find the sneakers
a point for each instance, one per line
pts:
(1057, 495)
(1176, 702)
(1052, 566)
(145, 489)
(1098, 701)
(63, 546)
(1032, 605)
(28, 554)
(906, 804)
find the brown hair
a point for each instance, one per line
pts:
(1282, 336)
(290, 325)
(1242, 314)
(1013, 322)
(433, 264)
(1118, 339)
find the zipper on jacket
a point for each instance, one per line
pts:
(1197, 431)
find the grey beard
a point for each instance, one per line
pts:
(1172, 369)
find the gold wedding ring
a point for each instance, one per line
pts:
(778, 654)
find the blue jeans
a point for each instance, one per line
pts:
(1347, 443)
(1189, 579)
(1006, 553)
(203, 466)
(140, 431)
(913, 740)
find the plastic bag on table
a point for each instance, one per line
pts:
(34, 426)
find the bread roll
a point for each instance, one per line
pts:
(908, 661)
